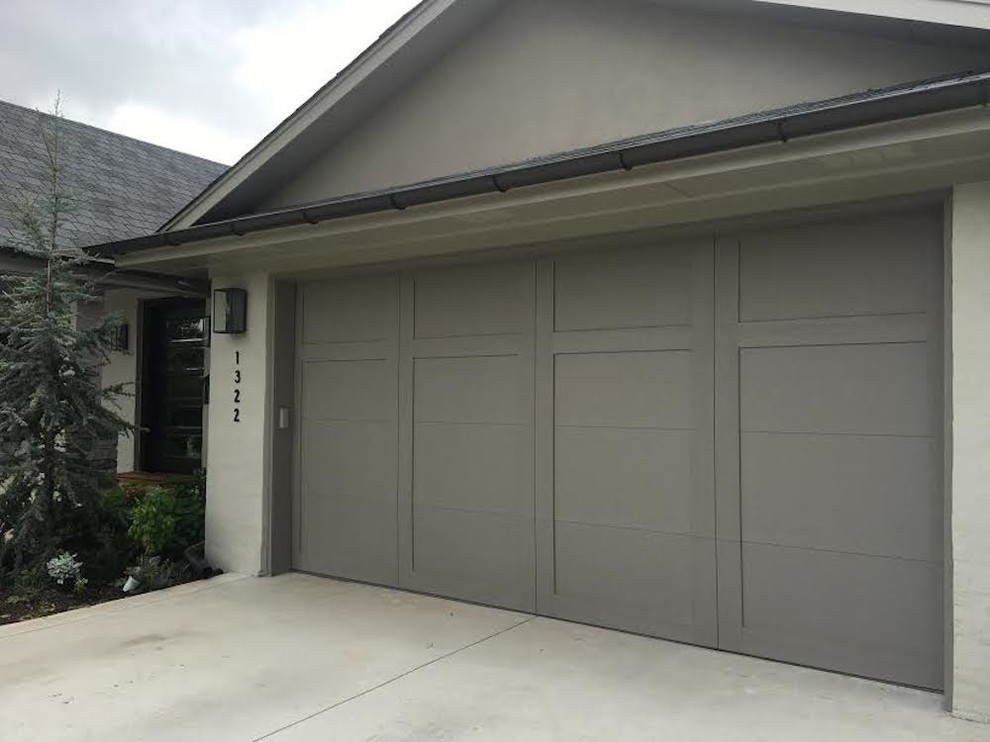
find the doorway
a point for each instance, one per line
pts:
(173, 393)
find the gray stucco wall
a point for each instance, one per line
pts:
(546, 76)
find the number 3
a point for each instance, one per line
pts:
(237, 377)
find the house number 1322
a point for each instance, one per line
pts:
(237, 386)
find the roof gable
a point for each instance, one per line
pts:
(122, 187)
(542, 77)
(412, 44)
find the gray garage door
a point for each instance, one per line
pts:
(730, 442)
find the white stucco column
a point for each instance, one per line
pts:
(969, 411)
(236, 485)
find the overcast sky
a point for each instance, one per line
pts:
(208, 77)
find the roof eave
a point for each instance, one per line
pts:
(780, 125)
(104, 273)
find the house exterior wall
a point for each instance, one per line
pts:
(237, 477)
(969, 455)
(123, 368)
(547, 76)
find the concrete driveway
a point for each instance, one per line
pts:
(301, 658)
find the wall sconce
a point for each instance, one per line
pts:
(229, 311)
(122, 338)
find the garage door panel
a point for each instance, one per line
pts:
(858, 611)
(837, 270)
(629, 430)
(345, 511)
(827, 378)
(349, 390)
(357, 459)
(624, 289)
(638, 390)
(625, 478)
(859, 494)
(472, 390)
(839, 389)
(481, 557)
(352, 310)
(468, 502)
(632, 579)
(476, 300)
(486, 468)
(349, 536)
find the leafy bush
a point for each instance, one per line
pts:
(190, 514)
(168, 519)
(154, 520)
(66, 568)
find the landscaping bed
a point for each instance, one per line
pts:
(22, 604)
(140, 537)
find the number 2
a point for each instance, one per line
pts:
(237, 396)
(237, 415)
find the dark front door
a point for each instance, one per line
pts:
(172, 396)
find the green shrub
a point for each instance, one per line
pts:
(100, 536)
(190, 518)
(154, 519)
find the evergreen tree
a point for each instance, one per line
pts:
(53, 408)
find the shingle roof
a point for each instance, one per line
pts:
(121, 187)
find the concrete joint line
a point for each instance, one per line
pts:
(398, 677)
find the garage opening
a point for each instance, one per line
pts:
(728, 441)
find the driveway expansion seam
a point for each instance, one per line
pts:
(388, 682)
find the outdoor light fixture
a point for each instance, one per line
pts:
(229, 311)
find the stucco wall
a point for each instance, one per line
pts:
(123, 369)
(237, 474)
(970, 457)
(547, 76)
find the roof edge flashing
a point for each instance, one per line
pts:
(868, 108)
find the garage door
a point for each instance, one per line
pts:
(730, 442)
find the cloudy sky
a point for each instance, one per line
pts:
(208, 77)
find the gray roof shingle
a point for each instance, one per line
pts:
(120, 187)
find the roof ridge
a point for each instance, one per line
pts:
(145, 143)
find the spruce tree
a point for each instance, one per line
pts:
(53, 408)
